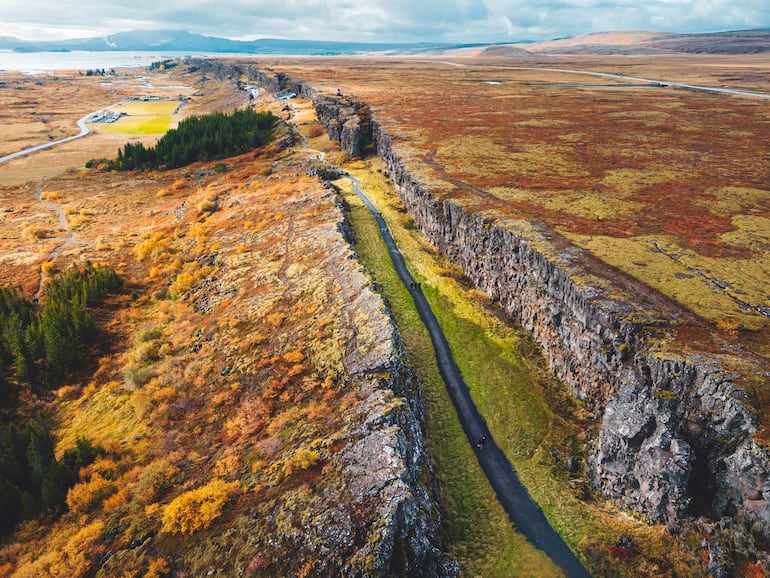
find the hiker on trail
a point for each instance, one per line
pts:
(482, 442)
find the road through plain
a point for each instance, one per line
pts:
(84, 130)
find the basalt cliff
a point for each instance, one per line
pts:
(675, 433)
(670, 429)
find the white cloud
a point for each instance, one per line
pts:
(377, 20)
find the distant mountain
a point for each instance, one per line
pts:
(623, 42)
(183, 41)
(635, 42)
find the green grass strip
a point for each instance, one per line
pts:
(479, 533)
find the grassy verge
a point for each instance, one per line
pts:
(480, 535)
(530, 413)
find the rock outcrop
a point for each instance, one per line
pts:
(675, 436)
(385, 463)
(389, 522)
(340, 117)
(403, 541)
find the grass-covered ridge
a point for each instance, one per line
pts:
(200, 138)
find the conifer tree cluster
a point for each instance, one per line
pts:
(46, 343)
(163, 64)
(42, 344)
(203, 138)
(31, 478)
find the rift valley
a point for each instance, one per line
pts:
(257, 396)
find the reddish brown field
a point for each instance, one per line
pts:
(668, 189)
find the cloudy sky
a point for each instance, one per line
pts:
(376, 20)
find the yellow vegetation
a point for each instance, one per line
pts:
(77, 222)
(295, 356)
(47, 268)
(227, 466)
(33, 232)
(197, 508)
(301, 460)
(642, 257)
(157, 568)
(207, 206)
(85, 496)
(73, 557)
(153, 246)
(190, 277)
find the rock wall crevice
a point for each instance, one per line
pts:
(657, 415)
(406, 539)
(674, 436)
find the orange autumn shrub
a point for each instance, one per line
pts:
(197, 508)
(86, 496)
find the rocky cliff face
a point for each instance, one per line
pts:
(674, 434)
(386, 464)
(670, 430)
(340, 117)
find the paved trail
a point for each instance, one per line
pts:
(526, 516)
(523, 512)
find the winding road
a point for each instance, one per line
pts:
(522, 511)
(644, 81)
(84, 130)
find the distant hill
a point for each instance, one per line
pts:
(183, 41)
(638, 42)
(621, 42)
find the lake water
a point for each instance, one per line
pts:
(36, 62)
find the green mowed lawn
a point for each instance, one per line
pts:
(158, 124)
(143, 117)
(149, 107)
